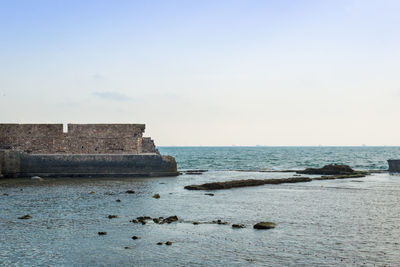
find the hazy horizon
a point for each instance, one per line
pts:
(207, 73)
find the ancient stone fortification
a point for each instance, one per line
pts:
(78, 139)
(82, 150)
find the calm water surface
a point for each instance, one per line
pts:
(322, 223)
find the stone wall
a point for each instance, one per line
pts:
(18, 164)
(79, 139)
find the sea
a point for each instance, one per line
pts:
(346, 222)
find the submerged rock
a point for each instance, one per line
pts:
(102, 233)
(238, 226)
(156, 196)
(168, 243)
(332, 169)
(135, 237)
(130, 192)
(209, 194)
(112, 216)
(159, 243)
(118, 200)
(25, 217)
(264, 225)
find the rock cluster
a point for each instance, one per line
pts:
(159, 220)
(332, 169)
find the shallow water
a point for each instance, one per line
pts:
(347, 222)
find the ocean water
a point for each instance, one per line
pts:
(280, 158)
(349, 222)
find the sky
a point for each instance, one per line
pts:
(207, 73)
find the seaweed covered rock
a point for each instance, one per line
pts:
(332, 169)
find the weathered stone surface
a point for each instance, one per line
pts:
(332, 169)
(17, 164)
(238, 226)
(264, 225)
(79, 139)
(245, 183)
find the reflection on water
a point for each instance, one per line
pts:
(321, 223)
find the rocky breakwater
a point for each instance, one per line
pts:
(327, 172)
(245, 183)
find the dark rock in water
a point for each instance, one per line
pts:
(118, 200)
(168, 243)
(264, 225)
(134, 221)
(159, 243)
(130, 192)
(238, 226)
(112, 216)
(209, 194)
(245, 183)
(170, 219)
(156, 220)
(135, 237)
(102, 233)
(191, 171)
(357, 174)
(25, 217)
(332, 169)
(91, 192)
(126, 247)
(196, 223)
(156, 196)
(141, 218)
(221, 222)
(5, 194)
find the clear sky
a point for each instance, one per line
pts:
(207, 72)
